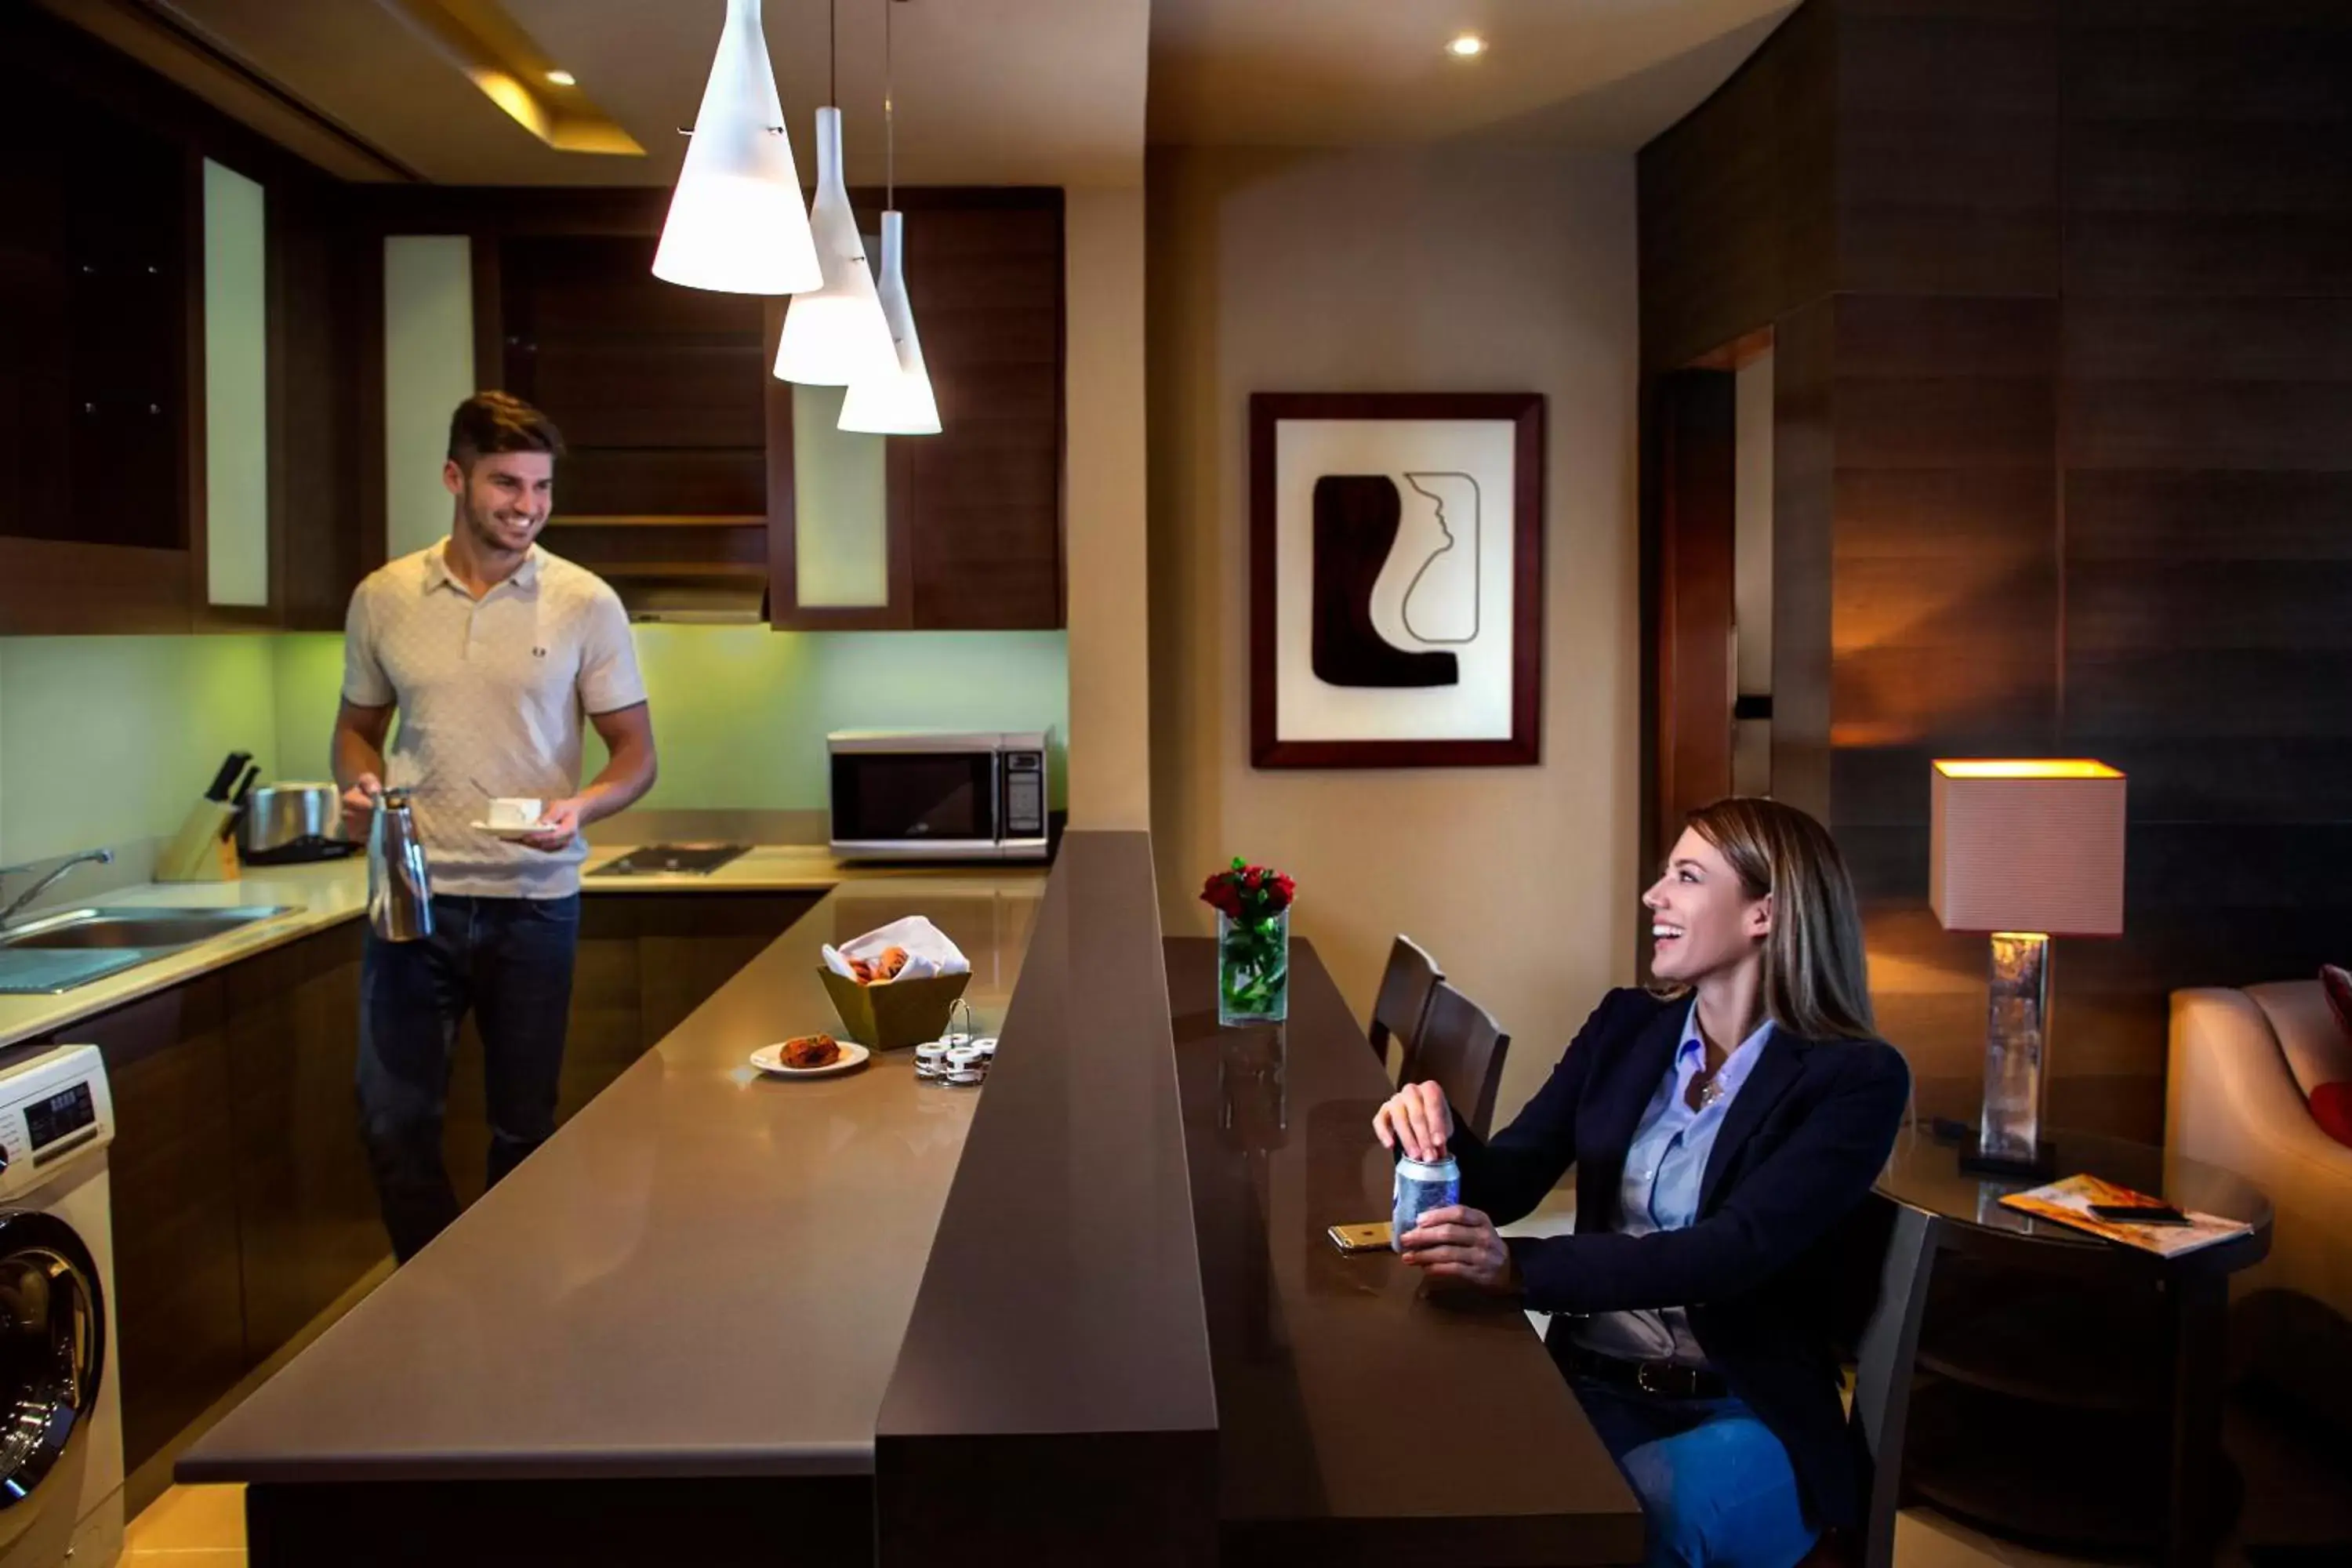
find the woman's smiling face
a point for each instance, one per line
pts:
(1702, 921)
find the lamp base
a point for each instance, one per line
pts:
(2042, 1167)
(1975, 1162)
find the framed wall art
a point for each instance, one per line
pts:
(1396, 579)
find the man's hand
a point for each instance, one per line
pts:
(558, 825)
(1461, 1244)
(358, 805)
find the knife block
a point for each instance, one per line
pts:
(201, 851)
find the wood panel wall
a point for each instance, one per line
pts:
(2063, 448)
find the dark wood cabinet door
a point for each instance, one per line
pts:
(975, 511)
(306, 1205)
(178, 1296)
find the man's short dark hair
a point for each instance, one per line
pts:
(499, 421)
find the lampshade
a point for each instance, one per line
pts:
(835, 335)
(736, 224)
(2028, 846)
(898, 402)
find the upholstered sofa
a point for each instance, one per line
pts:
(2232, 1101)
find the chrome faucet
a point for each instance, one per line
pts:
(88, 857)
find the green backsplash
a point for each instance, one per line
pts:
(108, 738)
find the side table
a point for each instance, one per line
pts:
(2077, 1390)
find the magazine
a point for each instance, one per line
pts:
(2069, 1203)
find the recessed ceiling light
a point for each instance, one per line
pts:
(563, 79)
(1465, 46)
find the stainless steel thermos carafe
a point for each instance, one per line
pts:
(400, 886)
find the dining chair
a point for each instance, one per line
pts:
(1461, 1050)
(1404, 1000)
(1886, 1353)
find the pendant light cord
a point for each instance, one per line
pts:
(889, 124)
(833, 53)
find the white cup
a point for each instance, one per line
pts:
(515, 811)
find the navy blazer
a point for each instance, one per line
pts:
(1758, 1269)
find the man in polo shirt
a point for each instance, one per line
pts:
(490, 650)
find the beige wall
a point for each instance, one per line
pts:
(1404, 269)
(1103, 508)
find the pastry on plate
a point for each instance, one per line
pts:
(811, 1051)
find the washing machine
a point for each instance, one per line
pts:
(60, 1413)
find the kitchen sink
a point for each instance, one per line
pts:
(60, 952)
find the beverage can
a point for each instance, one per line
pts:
(1420, 1188)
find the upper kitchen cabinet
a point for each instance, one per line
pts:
(696, 483)
(660, 394)
(962, 529)
(94, 368)
(174, 432)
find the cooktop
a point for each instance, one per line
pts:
(671, 859)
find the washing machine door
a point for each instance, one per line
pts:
(52, 1355)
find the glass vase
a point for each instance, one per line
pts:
(1253, 969)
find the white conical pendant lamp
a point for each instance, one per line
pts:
(897, 402)
(835, 334)
(736, 224)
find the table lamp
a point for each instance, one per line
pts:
(2024, 851)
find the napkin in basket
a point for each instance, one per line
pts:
(929, 951)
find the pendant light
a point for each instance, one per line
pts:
(736, 224)
(835, 334)
(897, 402)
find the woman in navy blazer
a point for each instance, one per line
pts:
(1721, 1133)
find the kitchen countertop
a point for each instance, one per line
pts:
(329, 893)
(706, 1272)
(320, 895)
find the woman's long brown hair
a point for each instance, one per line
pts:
(1816, 979)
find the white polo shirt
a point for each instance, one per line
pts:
(491, 692)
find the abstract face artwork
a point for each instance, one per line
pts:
(1367, 552)
(1397, 555)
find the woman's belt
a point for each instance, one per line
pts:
(1662, 1379)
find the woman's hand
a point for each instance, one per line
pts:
(1417, 1117)
(1461, 1244)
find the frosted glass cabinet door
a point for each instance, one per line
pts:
(236, 391)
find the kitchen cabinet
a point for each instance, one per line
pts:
(683, 486)
(306, 1221)
(178, 1293)
(108, 174)
(974, 515)
(660, 392)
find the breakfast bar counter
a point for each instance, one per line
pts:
(1082, 1314)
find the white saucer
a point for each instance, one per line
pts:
(770, 1059)
(511, 835)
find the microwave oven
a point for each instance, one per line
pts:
(901, 794)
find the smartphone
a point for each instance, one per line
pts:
(1360, 1238)
(2140, 1214)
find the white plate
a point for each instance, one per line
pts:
(770, 1059)
(511, 835)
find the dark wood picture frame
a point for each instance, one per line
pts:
(1524, 748)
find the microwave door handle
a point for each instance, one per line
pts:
(996, 800)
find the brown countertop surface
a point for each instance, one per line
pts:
(705, 1272)
(1360, 1419)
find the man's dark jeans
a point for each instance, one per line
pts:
(509, 959)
